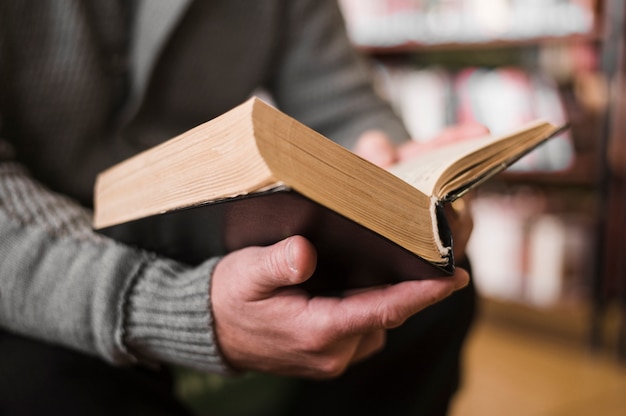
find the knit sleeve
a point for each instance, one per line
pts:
(62, 283)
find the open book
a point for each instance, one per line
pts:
(254, 175)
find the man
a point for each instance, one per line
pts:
(88, 83)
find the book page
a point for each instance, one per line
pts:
(423, 171)
(431, 171)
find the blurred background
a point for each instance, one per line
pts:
(548, 244)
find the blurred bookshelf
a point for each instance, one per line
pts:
(409, 25)
(502, 63)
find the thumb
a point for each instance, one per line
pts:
(286, 263)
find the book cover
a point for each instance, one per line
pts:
(349, 255)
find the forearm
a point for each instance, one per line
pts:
(63, 283)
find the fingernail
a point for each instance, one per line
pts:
(291, 256)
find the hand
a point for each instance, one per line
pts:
(461, 224)
(266, 323)
(376, 147)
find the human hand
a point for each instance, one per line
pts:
(264, 322)
(376, 147)
(461, 222)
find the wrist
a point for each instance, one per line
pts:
(168, 316)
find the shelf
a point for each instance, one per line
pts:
(409, 47)
(388, 27)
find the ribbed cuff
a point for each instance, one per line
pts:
(169, 317)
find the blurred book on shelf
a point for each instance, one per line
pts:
(546, 250)
(422, 97)
(429, 99)
(389, 23)
(504, 97)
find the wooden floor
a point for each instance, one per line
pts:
(510, 372)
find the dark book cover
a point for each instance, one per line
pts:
(349, 255)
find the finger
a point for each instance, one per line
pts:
(447, 135)
(376, 147)
(369, 344)
(286, 263)
(346, 351)
(461, 223)
(389, 307)
(461, 131)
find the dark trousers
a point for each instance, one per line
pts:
(416, 374)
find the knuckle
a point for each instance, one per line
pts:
(332, 366)
(380, 345)
(376, 339)
(393, 319)
(326, 359)
(390, 317)
(316, 342)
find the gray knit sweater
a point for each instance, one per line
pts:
(84, 84)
